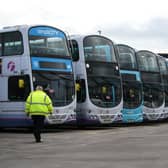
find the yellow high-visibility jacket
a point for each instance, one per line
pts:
(38, 103)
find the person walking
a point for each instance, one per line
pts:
(38, 105)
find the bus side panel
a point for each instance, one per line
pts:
(3, 89)
(12, 115)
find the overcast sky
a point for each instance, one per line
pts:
(142, 24)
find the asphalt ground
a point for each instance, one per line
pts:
(140, 146)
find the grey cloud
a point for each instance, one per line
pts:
(150, 35)
(156, 28)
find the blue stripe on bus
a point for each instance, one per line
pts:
(137, 73)
(14, 121)
(36, 66)
(46, 32)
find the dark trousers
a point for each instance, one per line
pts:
(38, 124)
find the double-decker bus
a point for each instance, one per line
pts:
(29, 56)
(153, 92)
(164, 75)
(98, 80)
(131, 83)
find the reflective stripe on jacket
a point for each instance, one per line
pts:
(38, 103)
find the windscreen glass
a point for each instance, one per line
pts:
(47, 41)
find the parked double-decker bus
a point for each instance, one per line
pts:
(153, 92)
(164, 75)
(98, 80)
(131, 83)
(29, 56)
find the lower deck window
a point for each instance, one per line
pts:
(18, 87)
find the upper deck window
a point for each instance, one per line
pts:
(97, 48)
(147, 62)
(11, 43)
(163, 66)
(127, 57)
(47, 41)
